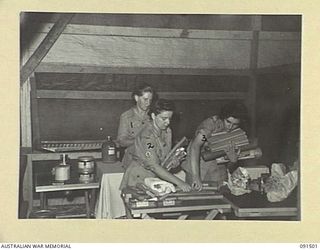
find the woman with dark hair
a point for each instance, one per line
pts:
(231, 117)
(151, 146)
(134, 119)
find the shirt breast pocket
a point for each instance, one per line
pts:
(132, 127)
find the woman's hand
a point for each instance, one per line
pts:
(185, 187)
(232, 153)
(196, 184)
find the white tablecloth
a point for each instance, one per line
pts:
(109, 203)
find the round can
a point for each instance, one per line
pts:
(86, 164)
(62, 172)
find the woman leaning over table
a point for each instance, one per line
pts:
(151, 146)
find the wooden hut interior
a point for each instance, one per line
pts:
(78, 71)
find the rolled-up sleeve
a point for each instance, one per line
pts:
(205, 128)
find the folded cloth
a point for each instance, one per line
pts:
(160, 186)
(238, 181)
(280, 184)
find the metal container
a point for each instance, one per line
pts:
(85, 165)
(62, 171)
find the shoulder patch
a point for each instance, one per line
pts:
(148, 154)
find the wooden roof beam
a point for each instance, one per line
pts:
(44, 47)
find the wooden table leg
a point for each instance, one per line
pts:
(28, 184)
(87, 201)
(212, 214)
(43, 201)
(92, 201)
(183, 217)
(128, 213)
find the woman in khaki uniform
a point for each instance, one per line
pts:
(151, 146)
(133, 120)
(198, 170)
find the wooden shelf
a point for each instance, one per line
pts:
(47, 156)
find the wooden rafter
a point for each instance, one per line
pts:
(44, 47)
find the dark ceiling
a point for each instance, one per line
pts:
(184, 21)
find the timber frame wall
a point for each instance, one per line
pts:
(28, 86)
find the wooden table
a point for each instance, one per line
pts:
(180, 205)
(46, 183)
(41, 156)
(256, 205)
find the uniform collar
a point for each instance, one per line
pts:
(142, 117)
(158, 132)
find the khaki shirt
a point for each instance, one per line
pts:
(210, 126)
(150, 148)
(208, 170)
(129, 126)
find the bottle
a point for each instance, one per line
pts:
(109, 151)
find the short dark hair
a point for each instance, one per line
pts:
(161, 105)
(234, 109)
(142, 88)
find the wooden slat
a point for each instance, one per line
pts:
(62, 187)
(44, 47)
(292, 69)
(76, 29)
(69, 94)
(279, 36)
(266, 212)
(56, 156)
(183, 217)
(202, 95)
(225, 207)
(122, 95)
(73, 68)
(68, 68)
(212, 214)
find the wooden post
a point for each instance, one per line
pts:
(34, 113)
(254, 51)
(25, 115)
(28, 183)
